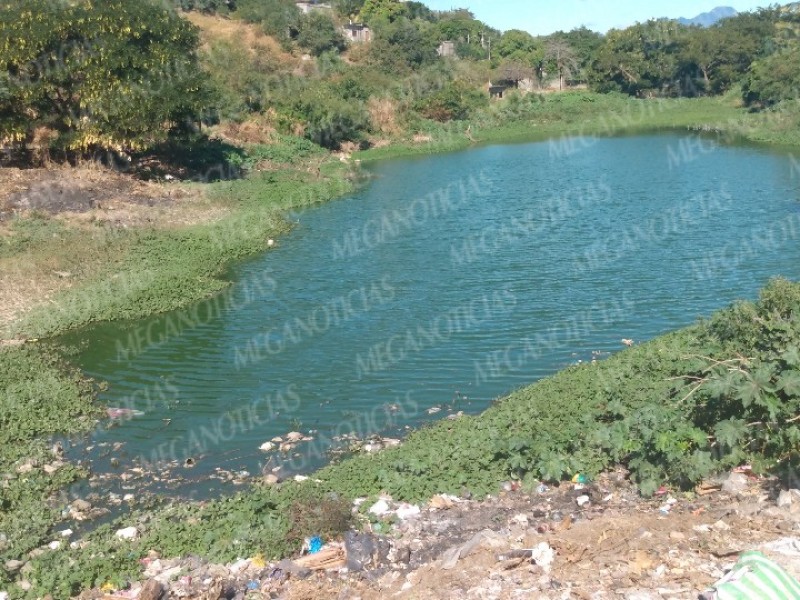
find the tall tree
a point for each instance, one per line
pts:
(562, 58)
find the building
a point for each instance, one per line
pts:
(357, 33)
(447, 49)
(496, 91)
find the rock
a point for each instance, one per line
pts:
(271, 479)
(543, 555)
(380, 508)
(152, 590)
(676, 535)
(128, 533)
(53, 467)
(788, 497)
(360, 551)
(300, 478)
(721, 526)
(81, 505)
(54, 545)
(582, 500)
(277, 440)
(3, 595)
(25, 468)
(407, 511)
(267, 447)
(736, 483)
(12, 566)
(443, 501)
(66, 533)
(294, 436)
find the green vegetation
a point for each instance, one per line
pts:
(39, 397)
(674, 410)
(139, 75)
(723, 392)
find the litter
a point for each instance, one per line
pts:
(313, 545)
(755, 577)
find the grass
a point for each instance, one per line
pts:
(531, 434)
(633, 409)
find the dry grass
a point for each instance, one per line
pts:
(218, 29)
(383, 115)
(73, 246)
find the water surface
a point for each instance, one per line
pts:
(447, 282)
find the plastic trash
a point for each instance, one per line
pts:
(253, 585)
(755, 577)
(580, 478)
(313, 544)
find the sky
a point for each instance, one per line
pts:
(541, 17)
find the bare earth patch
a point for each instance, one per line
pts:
(99, 203)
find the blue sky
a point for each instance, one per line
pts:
(546, 16)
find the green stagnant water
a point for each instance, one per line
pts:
(446, 283)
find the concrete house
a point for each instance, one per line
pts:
(447, 49)
(357, 33)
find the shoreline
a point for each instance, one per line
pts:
(145, 287)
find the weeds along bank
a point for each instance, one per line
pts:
(142, 271)
(674, 410)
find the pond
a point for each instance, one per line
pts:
(446, 283)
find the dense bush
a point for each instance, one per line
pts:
(456, 101)
(110, 74)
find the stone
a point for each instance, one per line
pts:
(582, 500)
(380, 508)
(267, 447)
(736, 483)
(721, 526)
(677, 535)
(407, 511)
(152, 590)
(294, 436)
(128, 533)
(81, 505)
(271, 479)
(788, 497)
(12, 566)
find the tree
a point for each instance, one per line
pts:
(383, 10)
(114, 74)
(514, 72)
(348, 9)
(561, 57)
(401, 46)
(317, 33)
(278, 18)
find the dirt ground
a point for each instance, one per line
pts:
(595, 541)
(96, 203)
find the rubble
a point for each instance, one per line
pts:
(540, 542)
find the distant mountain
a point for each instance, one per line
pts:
(709, 18)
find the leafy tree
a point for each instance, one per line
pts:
(516, 43)
(773, 79)
(455, 101)
(278, 18)
(642, 59)
(382, 10)
(401, 45)
(112, 74)
(318, 33)
(348, 9)
(584, 43)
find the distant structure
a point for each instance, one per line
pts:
(496, 91)
(306, 6)
(447, 49)
(357, 33)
